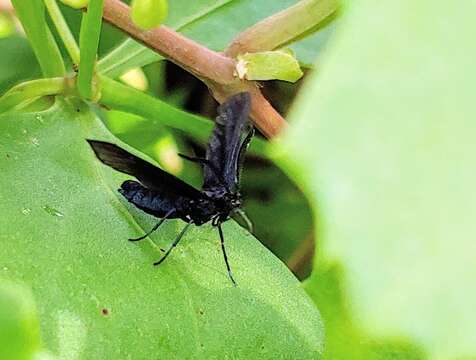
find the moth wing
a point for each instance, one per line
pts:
(243, 148)
(150, 176)
(226, 144)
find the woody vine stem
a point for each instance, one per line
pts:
(217, 70)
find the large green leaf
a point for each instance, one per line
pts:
(386, 133)
(213, 23)
(64, 233)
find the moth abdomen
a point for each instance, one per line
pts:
(146, 199)
(129, 188)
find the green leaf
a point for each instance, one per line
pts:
(148, 14)
(269, 65)
(32, 16)
(213, 23)
(16, 50)
(19, 329)
(384, 146)
(64, 232)
(311, 47)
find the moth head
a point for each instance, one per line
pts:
(234, 200)
(227, 204)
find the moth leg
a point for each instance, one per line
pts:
(174, 244)
(156, 226)
(222, 241)
(248, 223)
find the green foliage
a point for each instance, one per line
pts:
(212, 23)
(127, 99)
(381, 143)
(15, 50)
(31, 14)
(77, 4)
(65, 234)
(384, 139)
(19, 328)
(7, 27)
(270, 197)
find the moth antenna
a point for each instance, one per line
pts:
(174, 244)
(222, 242)
(246, 219)
(156, 226)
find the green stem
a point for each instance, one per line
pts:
(124, 98)
(214, 69)
(32, 89)
(88, 43)
(63, 30)
(282, 27)
(32, 17)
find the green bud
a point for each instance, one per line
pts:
(77, 4)
(148, 14)
(269, 65)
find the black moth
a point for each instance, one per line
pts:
(166, 197)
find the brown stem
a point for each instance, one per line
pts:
(215, 69)
(282, 27)
(265, 117)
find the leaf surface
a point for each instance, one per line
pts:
(19, 330)
(64, 233)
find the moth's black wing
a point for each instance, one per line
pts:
(159, 192)
(243, 148)
(226, 145)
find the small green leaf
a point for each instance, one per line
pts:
(148, 14)
(269, 65)
(77, 4)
